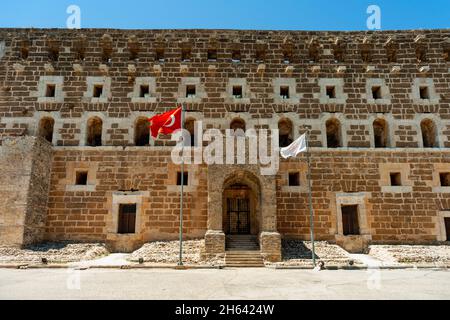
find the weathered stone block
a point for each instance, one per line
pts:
(270, 243)
(214, 243)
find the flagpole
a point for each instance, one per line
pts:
(311, 215)
(180, 263)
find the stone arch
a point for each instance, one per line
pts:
(141, 132)
(245, 186)
(94, 132)
(333, 131)
(380, 133)
(286, 132)
(45, 129)
(238, 123)
(429, 133)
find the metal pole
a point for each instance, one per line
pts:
(180, 263)
(311, 215)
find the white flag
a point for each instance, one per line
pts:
(295, 148)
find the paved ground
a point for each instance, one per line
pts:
(223, 284)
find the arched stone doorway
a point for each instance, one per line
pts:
(257, 194)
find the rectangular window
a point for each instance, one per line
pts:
(190, 91)
(144, 91)
(424, 93)
(396, 179)
(185, 178)
(350, 223)
(236, 56)
(287, 57)
(186, 55)
(212, 55)
(98, 91)
(127, 218)
(81, 178)
(294, 179)
(445, 179)
(376, 92)
(237, 92)
(331, 92)
(134, 55)
(260, 55)
(284, 92)
(50, 91)
(159, 55)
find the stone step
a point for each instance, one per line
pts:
(245, 266)
(244, 258)
(236, 253)
(242, 244)
(243, 261)
(240, 241)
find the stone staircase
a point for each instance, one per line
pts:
(243, 251)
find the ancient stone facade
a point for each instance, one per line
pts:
(376, 104)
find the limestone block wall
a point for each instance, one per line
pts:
(25, 165)
(148, 176)
(399, 62)
(406, 213)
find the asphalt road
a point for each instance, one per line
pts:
(223, 284)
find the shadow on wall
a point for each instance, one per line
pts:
(294, 249)
(47, 246)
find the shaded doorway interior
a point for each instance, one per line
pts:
(239, 210)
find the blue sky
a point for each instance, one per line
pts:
(227, 14)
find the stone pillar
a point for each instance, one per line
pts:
(270, 243)
(214, 237)
(214, 243)
(269, 238)
(25, 165)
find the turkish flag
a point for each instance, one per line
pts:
(165, 123)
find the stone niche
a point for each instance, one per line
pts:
(116, 240)
(355, 243)
(25, 166)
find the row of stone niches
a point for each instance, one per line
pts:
(332, 91)
(381, 139)
(235, 53)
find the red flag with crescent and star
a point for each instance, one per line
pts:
(165, 123)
